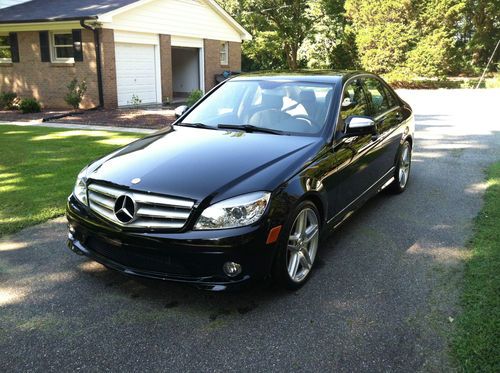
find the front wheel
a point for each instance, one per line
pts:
(298, 246)
(402, 172)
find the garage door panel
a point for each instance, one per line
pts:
(136, 73)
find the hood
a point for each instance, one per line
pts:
(196, 163)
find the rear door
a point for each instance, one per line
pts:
(385, 111)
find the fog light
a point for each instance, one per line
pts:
(231, 269)
(71, 228)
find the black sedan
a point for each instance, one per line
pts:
(246, 182)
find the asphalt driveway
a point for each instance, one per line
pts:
(382, 299)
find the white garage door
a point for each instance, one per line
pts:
(136, 73)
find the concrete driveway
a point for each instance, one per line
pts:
(383, 296)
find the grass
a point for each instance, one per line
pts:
(476, 345)
(38, 167)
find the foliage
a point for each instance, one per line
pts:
(29, 105)
(385, 32)
(476, 344)
(194, 96)
(135, 101)
(38, 168)
(427, 38)
(76, 91)
(8, 100)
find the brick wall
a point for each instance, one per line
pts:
(47, 81)
(212, 60)
(166, 67)
(108, 65)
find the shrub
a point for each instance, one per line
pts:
(76, 91)
(8, 100)
(194, 96)
(29, 105)
(135, 101)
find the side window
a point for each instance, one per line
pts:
(390, 96)
(354, 100)
(378, 95)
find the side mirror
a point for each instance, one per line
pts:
(179, 110)
(359, 125)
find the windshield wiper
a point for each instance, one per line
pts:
(249, 128)
(196, 125)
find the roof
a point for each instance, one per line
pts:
(36, 11)
(320, 76)
(59, 10)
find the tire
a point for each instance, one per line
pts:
(402, 171)
(296, 252)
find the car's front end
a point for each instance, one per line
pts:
(212, 259)
(204, 202)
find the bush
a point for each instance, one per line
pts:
(75, 93)
(8, 100)
(30, 105)
(194, 96)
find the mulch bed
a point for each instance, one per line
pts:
(138, 118)
(17, 116)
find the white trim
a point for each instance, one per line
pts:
(52, 45)
(244, 34)
(185, 41)
(202, 69)
(159, 98)
(136, 37)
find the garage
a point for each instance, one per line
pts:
(137, 74)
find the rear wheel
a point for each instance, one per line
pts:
(403, 167)
(298, 247)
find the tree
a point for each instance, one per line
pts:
(385, 32)
(331, 44)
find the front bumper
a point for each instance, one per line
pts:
(195, 257)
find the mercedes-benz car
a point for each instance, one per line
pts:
(246, 182)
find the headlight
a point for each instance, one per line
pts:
(80, 190)
(234, 212)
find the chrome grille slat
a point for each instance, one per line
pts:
(102, 201)
(152, 211)
(162, 213)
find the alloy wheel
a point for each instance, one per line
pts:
(404, 166)
(302, 245)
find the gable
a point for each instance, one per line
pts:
(191, 18)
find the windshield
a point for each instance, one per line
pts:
(291, 107)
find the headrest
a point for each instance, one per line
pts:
(272, 101)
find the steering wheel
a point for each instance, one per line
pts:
(304, 117)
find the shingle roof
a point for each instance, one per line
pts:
(59, 10)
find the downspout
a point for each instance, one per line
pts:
(97, 44)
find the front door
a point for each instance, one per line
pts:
(352, 174)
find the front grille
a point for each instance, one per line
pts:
(152, 211)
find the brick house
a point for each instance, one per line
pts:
(152, 49)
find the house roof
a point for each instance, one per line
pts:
(59, 10)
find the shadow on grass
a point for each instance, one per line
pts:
(38, 166)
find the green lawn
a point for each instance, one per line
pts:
(477, 342)
(38, 167)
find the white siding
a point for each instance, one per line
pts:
(192, 18)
